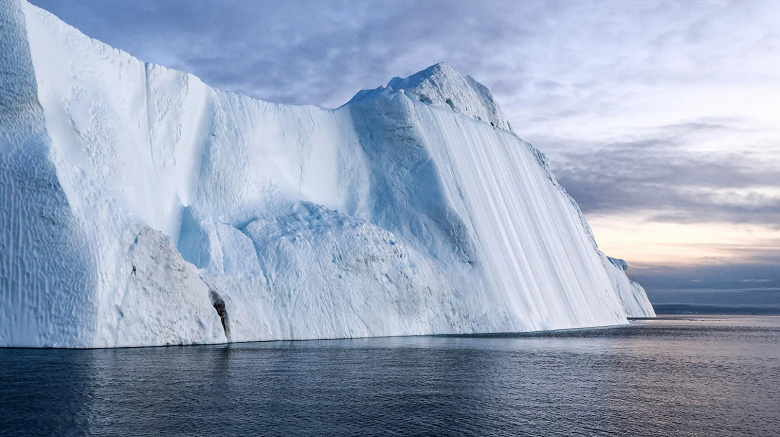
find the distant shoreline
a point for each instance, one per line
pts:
(677, 308)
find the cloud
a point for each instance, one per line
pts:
(756, 269)
(327, 51)
(302, 52)
(661, 174)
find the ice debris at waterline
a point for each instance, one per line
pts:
(141, 207)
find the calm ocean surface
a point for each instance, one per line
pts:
(674, 376)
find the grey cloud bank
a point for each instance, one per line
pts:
(657, 174)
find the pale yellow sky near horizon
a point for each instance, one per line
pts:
(645, 243)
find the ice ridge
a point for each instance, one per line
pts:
(442, 86)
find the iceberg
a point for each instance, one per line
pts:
(140, 207)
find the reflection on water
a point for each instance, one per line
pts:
(684, 376)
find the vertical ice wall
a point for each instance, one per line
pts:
(181, 214)
(479, 196)
(123, 162)
(630, 293)
(46, 280)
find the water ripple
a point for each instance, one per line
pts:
(682, 376)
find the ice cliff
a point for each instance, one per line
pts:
(138, 206)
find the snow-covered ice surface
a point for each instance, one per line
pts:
(141, 207)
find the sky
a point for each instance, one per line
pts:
(660, 118)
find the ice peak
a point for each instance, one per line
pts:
(436, 74)
(443, 86)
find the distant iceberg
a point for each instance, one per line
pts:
(140, 207)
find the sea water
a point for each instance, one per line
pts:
(675, 375)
